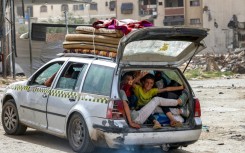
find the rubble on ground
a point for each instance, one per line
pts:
(231, 61)
(6, 81)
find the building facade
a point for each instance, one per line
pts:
(226, 24)
(41, 11)
(162, 12)
(195, 13)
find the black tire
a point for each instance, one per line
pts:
(78, 136)
(10, 119)
(174, 147)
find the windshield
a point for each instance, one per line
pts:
(166, 48)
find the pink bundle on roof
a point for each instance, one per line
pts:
(126, 25)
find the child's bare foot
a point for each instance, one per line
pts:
(157, 125)
(175, 123)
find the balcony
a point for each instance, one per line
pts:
(170, 11)
(174, 20)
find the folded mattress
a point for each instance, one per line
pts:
(101, 31)
(90, 51)
(92, 38)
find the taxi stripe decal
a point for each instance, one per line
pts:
(60, 93)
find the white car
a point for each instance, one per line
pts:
(85, 108)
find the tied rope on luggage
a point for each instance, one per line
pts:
(102, 38)
(93, 40)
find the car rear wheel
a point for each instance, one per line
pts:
(10, 119)
(78, 135)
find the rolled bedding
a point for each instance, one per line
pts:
(102, 31)
(92, 38)
(90, 51)
(89, 45)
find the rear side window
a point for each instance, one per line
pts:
(172, 75)
(98, 80)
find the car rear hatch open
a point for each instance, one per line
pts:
(160, 46)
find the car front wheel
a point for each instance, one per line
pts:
(78, 135)
(10, 119)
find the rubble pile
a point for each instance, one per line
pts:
(232, 61)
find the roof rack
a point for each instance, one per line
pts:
(84, 55)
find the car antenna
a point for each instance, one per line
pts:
(94, 44)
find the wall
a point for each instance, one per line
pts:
(193, 12)
(54, 11)
(221, 37)
(134, 15)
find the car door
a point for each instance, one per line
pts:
(64, 96)
(33, 105)
(96, 90)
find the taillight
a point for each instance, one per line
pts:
(197, 108)
(115, 110)
(109, 110)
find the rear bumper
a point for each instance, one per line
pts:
(115, 140)
(120, 134)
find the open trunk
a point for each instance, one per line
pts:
(160, 46)
(160, 50)
(166, 77)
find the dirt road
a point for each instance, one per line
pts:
(223, 115)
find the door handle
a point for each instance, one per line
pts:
(44, 95)
(72, 99)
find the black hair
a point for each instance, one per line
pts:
(148, 76)
(127, 74)
(158, 75)
(70, 70)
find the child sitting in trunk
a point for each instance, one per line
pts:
(126, 85)
(146, 103)
(163, 81)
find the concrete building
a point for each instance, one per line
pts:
(162, 12)
(226, 23)
(196, 13)
(44, 10)
(217, 14)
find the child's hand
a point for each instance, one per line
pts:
(136, 73)
(140, 74)
(143, 73)
(134, 125)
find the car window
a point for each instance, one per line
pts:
(99, 80)
(170, 78)
(81, 76)
(46, 73)
(159, 47)
(70, 76)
